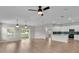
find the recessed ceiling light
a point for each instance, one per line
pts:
(62, 16)
(54, 22)
(73, 21)
(69, 18)
(65, 9)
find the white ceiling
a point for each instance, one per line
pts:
(9, 14)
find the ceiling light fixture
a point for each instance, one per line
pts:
(17, 25)
(73, 21)
(69, 18)
(25, 26)
(62, 16)
(40, 12)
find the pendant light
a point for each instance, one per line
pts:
(25, 26)
(17, 25)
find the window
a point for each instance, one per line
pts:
(11, 32)
(24, 33)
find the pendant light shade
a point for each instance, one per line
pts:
(25, 26)
(17, 25)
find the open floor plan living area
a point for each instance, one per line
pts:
(39, 29)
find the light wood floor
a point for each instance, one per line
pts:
(39, 46)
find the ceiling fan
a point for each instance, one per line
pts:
(40, 10)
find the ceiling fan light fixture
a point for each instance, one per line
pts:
(40, 12)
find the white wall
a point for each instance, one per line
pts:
(32, 32)
(65, 28)
(0, 31)
(40, 32)
(4, 33)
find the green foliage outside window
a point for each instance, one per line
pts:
(24, 33)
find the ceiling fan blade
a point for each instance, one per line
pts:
(46, 8)
(32, 10)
